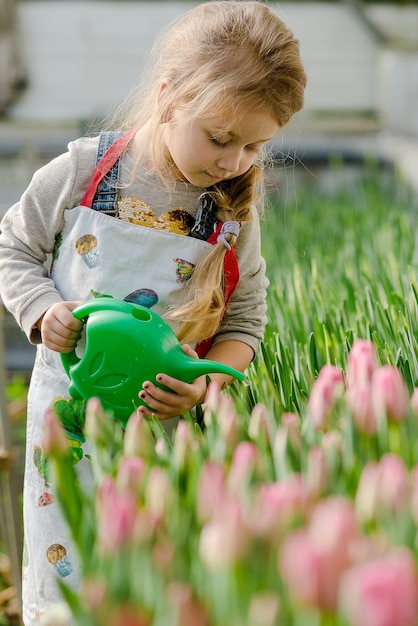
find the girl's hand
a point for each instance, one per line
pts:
(166, 404)
(59, 328)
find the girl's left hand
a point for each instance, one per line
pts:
(165, 404)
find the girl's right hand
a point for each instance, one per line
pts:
(59, 328)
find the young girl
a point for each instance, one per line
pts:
(167, 219)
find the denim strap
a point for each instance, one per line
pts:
(106, 194)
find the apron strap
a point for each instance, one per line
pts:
(106, 163)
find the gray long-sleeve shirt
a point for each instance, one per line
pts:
(30, 228)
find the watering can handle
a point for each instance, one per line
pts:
(101, 304)
(69, 359)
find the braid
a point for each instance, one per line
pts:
(204, 302)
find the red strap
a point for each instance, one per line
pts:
(231, 269)
(231, 273)
(105, 164)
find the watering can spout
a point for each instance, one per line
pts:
(127, 344)
(192, 368)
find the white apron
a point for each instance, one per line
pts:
(98, 254)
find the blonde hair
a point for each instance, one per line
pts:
(221, 58)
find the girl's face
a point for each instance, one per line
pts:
(206, 151)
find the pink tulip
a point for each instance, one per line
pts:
(393, 483)
(228, 422)
(244, 462)
(291, 422)
(99, 425)
(211, 489)
(117, 515)
(184, 446)
(366, 494)
(158, 493)
(337, 514)
(361, 363)
(212, 399)
(359, 401)
(381, 592)
(318, 471)
(326, 390)
(390, 395)
(130, 473)
(259, 424)
(299, 566)
(313, 559)
(332, 443)
(383, 488)
(277, 505)
(224, 539)
(54, 440)
(138, 438)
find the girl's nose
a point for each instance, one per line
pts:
(230, 161)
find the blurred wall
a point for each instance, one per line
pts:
(83, 57)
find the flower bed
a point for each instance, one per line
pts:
(298, 502)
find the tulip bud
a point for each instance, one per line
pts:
(117, 513)
(298, 564)
(359, 401)
(223, 540)
(326, 390)
(158, 493)
(381, 591)
(393, 486)
(54, 441)
(138, 439)
(390, 395)
(211, 489)
(361, 363)
(99, 424)
(366, 494)
(318, 471)
(243, 465)
(291, 422)
(277, 505)
(259, 424)
(184, 445)
(228, 422)
(383, 488)
(130, 472)
(312, 560)
(211, 402)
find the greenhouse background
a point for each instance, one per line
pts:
(64, 64)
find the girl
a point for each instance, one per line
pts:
(165, 218)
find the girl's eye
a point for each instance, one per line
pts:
(218, 142)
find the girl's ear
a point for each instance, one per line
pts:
(165, 105)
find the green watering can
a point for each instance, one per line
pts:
(127, 344)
